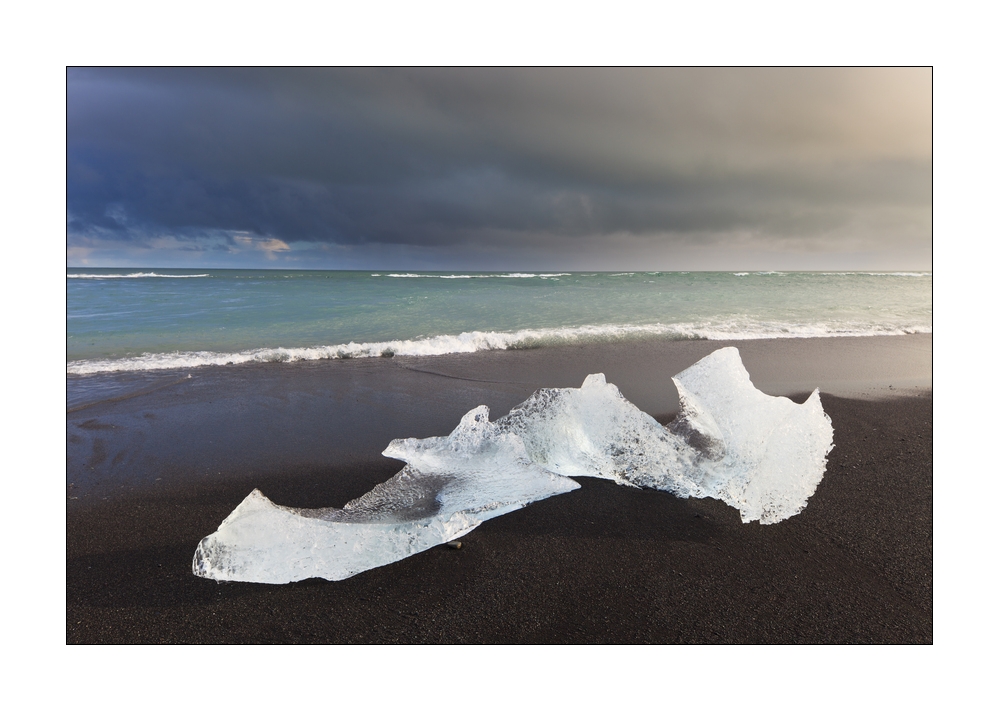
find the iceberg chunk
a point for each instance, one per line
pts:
(763, 455)
(594, 431)
(773, 451)
(449, 486)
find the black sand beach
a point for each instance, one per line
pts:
(158, 461)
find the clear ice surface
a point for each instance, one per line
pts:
(763, 455)
(449, 486)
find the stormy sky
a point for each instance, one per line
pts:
(500, 168)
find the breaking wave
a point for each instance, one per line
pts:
(473, 341)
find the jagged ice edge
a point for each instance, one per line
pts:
(761, 454)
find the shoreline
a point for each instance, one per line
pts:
(600, 564)
(464, 344)
(252, 420)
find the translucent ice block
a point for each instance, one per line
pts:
(763, 455)
(449, 486)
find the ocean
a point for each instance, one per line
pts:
(156, 319)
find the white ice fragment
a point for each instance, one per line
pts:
(761, 454)
(774, 450)
(449, 486)
(264, 543)
(593, 431)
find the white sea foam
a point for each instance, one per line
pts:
(136, 275)
(473, 341)
(763, 455)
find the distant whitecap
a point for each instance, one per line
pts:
(136, 275)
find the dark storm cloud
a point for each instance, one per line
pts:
(448, 158)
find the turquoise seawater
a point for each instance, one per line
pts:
(150, 319)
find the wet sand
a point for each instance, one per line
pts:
(161, 460)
